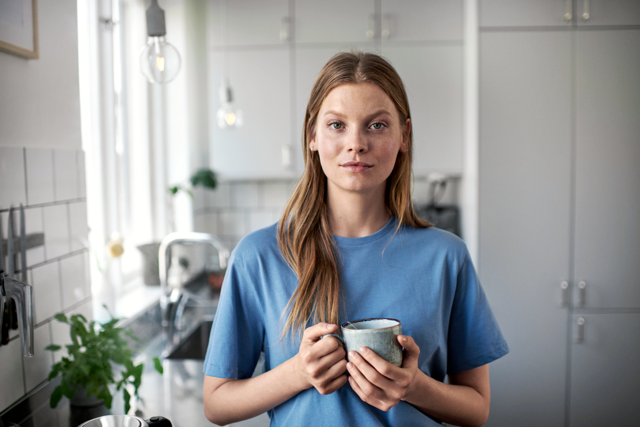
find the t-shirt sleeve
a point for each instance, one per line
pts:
(237, 334)
(474, 337)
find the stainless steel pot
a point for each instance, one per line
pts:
(127, 421)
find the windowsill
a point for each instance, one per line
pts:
(137, 300)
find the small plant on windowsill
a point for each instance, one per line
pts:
(94, 350)
(205, 178)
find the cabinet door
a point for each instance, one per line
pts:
(605, 373)
(608, 12)
(433, 79)
(607, 237)
(260, 83)
(248, 22)
(519, 13)
(418, 20)
(334, 21)
(524, 218)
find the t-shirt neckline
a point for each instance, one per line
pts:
(356, 241)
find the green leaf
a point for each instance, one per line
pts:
(204, 177)
(127, 399)
(52, 347)
(158, 365)
(174, 190)
(60, 317)
(67, 391)
(56, 396)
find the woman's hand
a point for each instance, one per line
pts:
(380, 383)
(320, 363)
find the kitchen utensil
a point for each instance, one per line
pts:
(126, 421)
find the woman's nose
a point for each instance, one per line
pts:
(357, 142)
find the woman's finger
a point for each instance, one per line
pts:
(411, 351)
(370, 372)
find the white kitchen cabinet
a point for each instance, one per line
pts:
(249, 22)
(525, 209)
(546, 13)
(255, 150)
(433, 79)
(559, 126)
(335, 21)
(607, 168)
(419, 20)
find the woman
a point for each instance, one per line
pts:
(349, 246)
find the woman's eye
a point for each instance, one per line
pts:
(377, 126)
(335, 125)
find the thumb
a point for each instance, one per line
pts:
(411, 350)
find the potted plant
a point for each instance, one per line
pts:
(89, 365)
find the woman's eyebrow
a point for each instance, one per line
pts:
(369, 117)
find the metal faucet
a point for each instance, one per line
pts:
(171, 296)
(22, 294)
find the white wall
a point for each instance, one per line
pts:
(39, 98)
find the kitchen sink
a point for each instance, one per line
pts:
(194, 346)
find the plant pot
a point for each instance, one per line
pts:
(81, 400)
(150, 269)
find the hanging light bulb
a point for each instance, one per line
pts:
(228, 115)
(159, 59)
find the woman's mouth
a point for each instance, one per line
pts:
(356, 166)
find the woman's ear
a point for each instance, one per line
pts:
(312, 144)
(406, 131)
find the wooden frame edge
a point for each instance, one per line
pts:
(22, 52)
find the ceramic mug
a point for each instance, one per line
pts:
(379, 335)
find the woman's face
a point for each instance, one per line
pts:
(358, 136)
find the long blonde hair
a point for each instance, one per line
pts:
(304, 236)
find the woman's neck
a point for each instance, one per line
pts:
(356, 214)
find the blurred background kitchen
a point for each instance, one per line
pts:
(526, 117)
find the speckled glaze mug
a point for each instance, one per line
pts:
(380, 335)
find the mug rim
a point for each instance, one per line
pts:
(343, 326)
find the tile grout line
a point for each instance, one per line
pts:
(26, 187)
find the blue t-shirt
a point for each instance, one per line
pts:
(422, 277)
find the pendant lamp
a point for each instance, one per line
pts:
(159, 59)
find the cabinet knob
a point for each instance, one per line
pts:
(564, 296)
(284, 29)
(371, 27)
(585, 11)
(582, 291)
(580, 330)
(567, 14)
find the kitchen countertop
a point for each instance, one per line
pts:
(176, 395)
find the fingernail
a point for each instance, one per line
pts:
(330, 326)
(364, 350)
(349, 365)
(352, 354)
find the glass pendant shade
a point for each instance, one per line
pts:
(159, 60)
(228, 116)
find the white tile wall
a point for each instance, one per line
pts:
(260, 219)
(46, 291)
(56, 231)
(11, 374)
(12, 177)
(78, 225)
(232, 224)
(40, 178)
(37, 368)
(66, 174)
(220, 197)
(245, 195)
(34, 224)
(52, 186)
(75, 287)
(82, 185)
(274, 194)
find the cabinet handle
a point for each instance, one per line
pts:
(585, 10)
(284, 29)
(286, 156)
(567, 13)
(564, 297)
(371, 27)
(580, 330)
(386, 26)
(582, 291)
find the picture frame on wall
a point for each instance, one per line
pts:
(19, 28)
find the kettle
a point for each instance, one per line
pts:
(126, 421)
